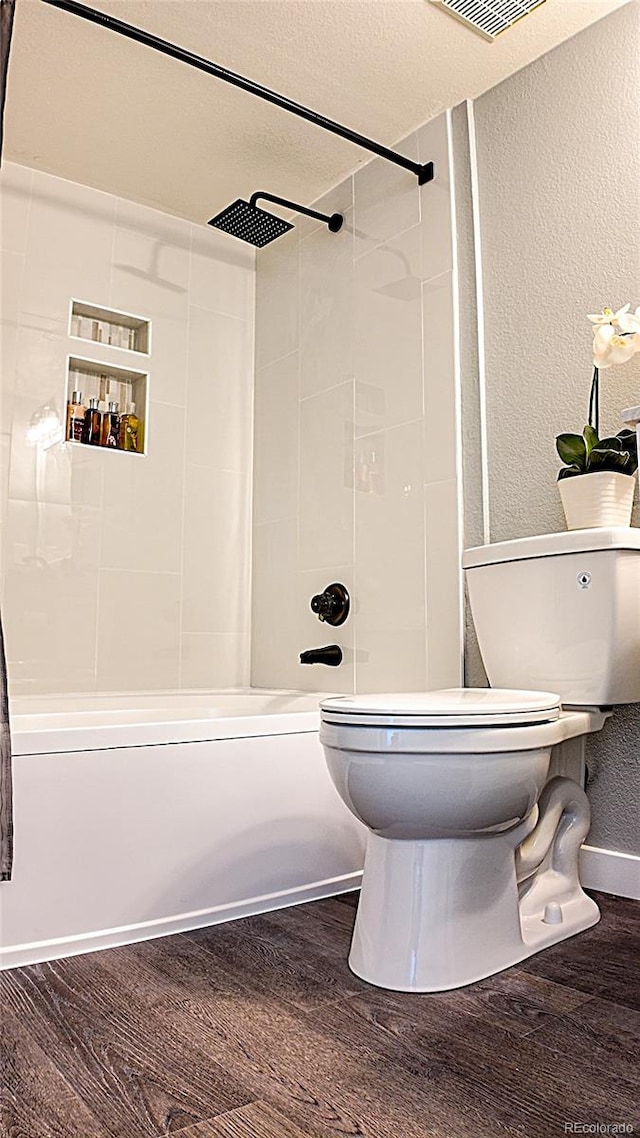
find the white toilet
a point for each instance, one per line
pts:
(474, 829)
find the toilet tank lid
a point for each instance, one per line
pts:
(553, 545)
(451, 707)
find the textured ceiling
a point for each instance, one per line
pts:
(86, 104)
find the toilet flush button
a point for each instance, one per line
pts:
(552, 913)
(584, 580)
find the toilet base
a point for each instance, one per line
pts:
(440, 914)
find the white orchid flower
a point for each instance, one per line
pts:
(609, 348)
(630, 321)
(608, 316)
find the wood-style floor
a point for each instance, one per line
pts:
(257, 1029)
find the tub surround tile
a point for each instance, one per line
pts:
(275, 472)
(222, 273)
(214, 661)
(435, 197)
(69, 248)
(390, 557)
(388, 334)
(326, 501)
(15, 189)
(277, 299)
(380, 317)
(326, 308)
(60, 473)
(219, 390)
(394, 660)
(49, 614)
(275, 637)
(439, 378)
(215, 551)
(151, 262)
(198, 292)
(143, 499)
(11, 272)
(168, 362)
(340, 199)
(138, 631)
(8, 353)
(53, 535)
(386, 198)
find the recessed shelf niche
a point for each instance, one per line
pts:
(107, 383)
(108, 326)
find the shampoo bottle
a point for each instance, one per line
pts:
(110, 427)
(92, 423)
(75, 417)
(129, 437)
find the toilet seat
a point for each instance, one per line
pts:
(451, 707)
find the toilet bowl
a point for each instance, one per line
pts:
(448, 784)
(473, 837)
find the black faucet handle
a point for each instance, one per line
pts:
(332, 606)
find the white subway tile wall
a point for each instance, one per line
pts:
(123, 572)
(356, 435)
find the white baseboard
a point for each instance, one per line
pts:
(610, 872)
(17, 955)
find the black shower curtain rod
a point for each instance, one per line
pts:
(424, 173)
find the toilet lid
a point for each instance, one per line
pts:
(452, 707)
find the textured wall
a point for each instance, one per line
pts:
(122, 572)
(559, 172)
(355, 474)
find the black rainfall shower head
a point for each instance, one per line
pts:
(246, 221)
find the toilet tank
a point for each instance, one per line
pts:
(560, 613)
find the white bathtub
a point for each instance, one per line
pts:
(142, 815)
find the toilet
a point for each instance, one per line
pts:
(473, 798)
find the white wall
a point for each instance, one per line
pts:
(559, 197)
(356, 477)
(122, 572)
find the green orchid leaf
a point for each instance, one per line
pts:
(591, 439)
(629, 442)
(572, 450)
(570, 471)
(608, 458)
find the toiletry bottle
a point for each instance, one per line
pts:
(75, 417)
(92, 423)
(129, 437)
(110, 427)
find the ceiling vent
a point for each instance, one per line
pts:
(489, 17)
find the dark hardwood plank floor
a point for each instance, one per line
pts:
(257, 1029)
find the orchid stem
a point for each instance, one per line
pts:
(594, 402)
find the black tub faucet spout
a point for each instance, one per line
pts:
(331, 655)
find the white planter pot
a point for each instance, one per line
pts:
(604, 498)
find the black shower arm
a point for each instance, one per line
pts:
(424, 173)
(334, 221)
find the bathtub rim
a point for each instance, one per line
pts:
(70, 733)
